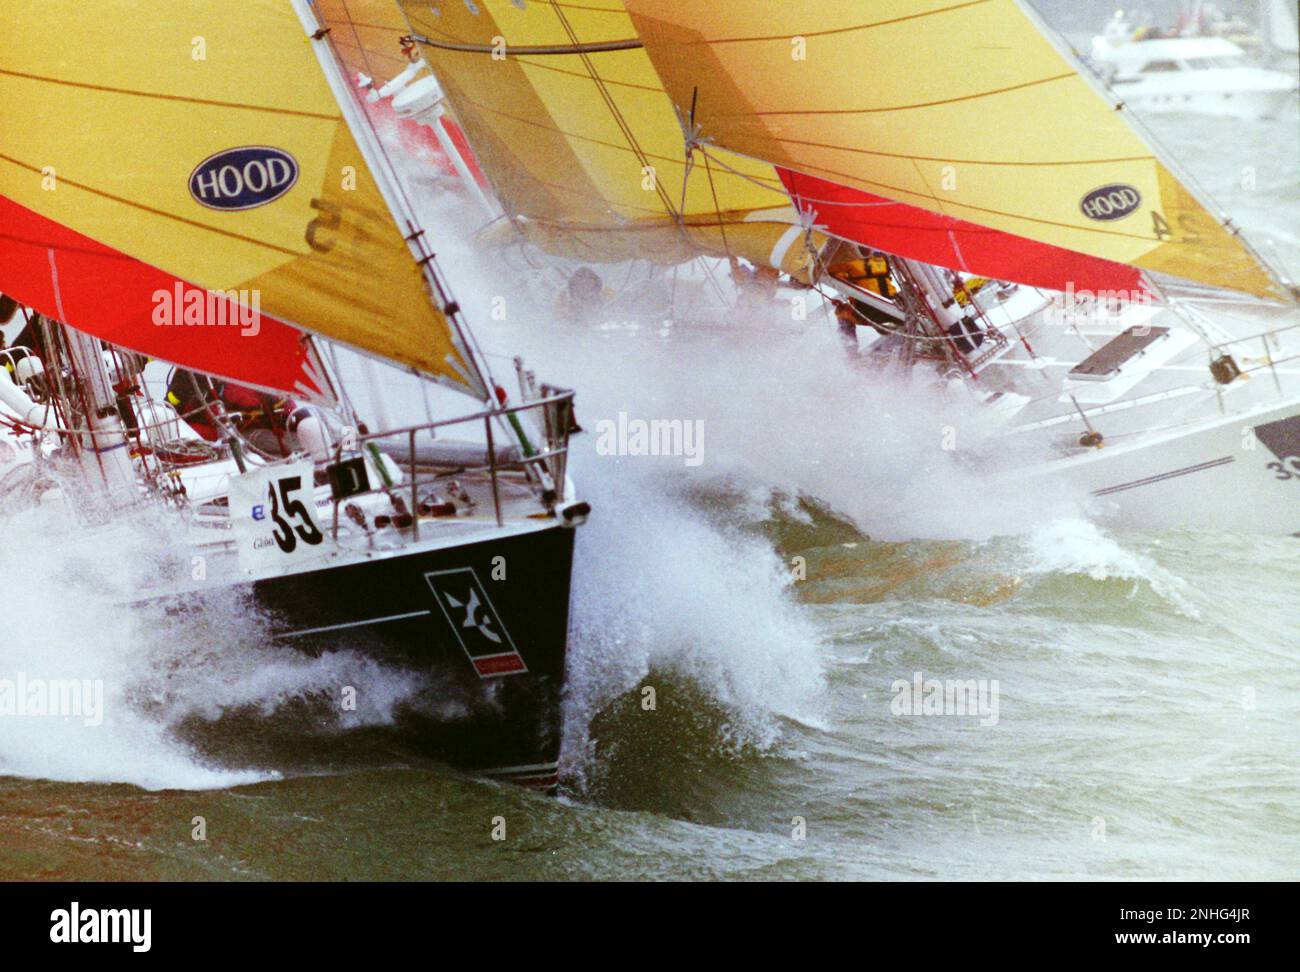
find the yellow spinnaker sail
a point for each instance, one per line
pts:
(962, 107)
(584, 148)
(147, 126)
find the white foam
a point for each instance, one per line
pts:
(65, 620)
(660, 588)
(62, 623)
(1077, 546)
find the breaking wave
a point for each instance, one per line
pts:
(156, 686)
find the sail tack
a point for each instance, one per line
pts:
(960, 107)
(204, 143)
(582, 145)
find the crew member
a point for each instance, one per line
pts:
(964, 291)
(846, 319)
(868, 273)
(583, 297)
(268, 423)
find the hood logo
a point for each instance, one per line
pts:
(243, 178)
(1110, 202)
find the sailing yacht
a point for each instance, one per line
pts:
(1054, 264)
(221, 204)
(1015, 196)
(1155, 417)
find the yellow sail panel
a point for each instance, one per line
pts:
(962, 107)
(585, 147)
(210, 146)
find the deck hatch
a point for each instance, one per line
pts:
(1109, 359)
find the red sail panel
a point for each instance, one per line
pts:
(944, 241)
(101, 291)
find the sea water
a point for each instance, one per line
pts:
(748, 633)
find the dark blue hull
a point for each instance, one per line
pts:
(488, 621)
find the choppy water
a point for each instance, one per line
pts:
(1147, 711)
(1148, 686)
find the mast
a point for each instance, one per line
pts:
(403, 213)
(105, 448)
(399, 206)
(935, 319)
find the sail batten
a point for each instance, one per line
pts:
(601, 47)
(169, 96)
(915, 106)
(848, 29)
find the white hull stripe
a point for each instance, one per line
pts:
(353, 624)
(1213, 463)
(531, 768)
(547, 775)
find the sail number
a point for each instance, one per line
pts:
(326, 223)
(284, 509)
(1283, 473)
(357, 228)
(1164, 232)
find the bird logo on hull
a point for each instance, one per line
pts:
(475, 622)
(482, 623)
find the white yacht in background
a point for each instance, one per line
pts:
(1196, 66)
(1206, 75)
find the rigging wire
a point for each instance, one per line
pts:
(722, 223)
(414, 234)
(614, 110)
